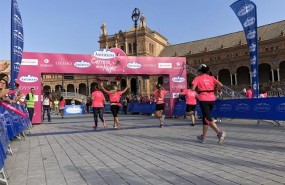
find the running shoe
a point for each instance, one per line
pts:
(192, 124)
(201, 139)
(161, 126)
(221, 137)
(115, 126)
(162, 118)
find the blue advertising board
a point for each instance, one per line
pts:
(259, 108)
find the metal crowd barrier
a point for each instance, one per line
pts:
(11, 125)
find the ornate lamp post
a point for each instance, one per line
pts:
(135, 18)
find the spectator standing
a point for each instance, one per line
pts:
(56, 102)
(30, 103)
(46, 105)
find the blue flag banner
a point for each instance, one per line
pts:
(17, 42)
(246, 13)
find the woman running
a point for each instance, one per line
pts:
(98, 101)
(115, 96)
(191, 102)
(206, 90)
(159, 94)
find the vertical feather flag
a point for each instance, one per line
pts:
(246, 13)
(17, 42)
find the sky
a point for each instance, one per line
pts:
(73, 26)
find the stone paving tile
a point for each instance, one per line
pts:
(69, 151)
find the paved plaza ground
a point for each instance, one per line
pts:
(68, 151)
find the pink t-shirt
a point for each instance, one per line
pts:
(115, 97)
(249, 93)
(190, 96)
(61, 104)
(98, 99)
(159, 97)
(205, 82)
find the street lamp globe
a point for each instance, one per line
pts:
(136, 15)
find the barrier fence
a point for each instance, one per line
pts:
(11, 125)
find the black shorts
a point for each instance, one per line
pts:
(115, 109)
(190, 108)
(159, 107)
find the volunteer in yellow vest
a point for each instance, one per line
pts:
(56, 102)
(30, 103)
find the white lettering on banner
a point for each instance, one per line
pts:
(254, 73)
(18, 50)
(281, 107)
(252, 47)
(150, 65)
(18, 35)
(178, 86)
(251, 34)
(225, 108)
(29, 78)
(262, 107)
(74, 110)
(134, 65)
(100, 62)
(104, 54)
(25, 87)
(178, 79)
(46, 65)
(245, 9)
(242, 107)
(253, 60)
(165, 65)
(249, 21)
(18, 20)
(30, 62)
(82, 64)
(63, 63)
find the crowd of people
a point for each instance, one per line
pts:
(204, 88)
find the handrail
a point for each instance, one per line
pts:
(74, 95)
(227, 92)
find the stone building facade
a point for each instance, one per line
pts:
(228, 56)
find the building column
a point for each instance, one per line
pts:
(126, 48)
(272, 75)
(231, 76)
(235, 79)
(217, 77)
(278, 75)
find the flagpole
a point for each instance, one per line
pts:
(11, 49)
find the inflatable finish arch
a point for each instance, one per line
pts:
(102, 62)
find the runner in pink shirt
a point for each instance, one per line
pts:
(115, 96)
(159, 99)
(206, 90)
(98, 101)
(191, 102)
(249, 92)
(61, 106)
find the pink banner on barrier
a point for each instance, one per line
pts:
(101, 62)
(11, 108)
